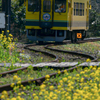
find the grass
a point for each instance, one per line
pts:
(89, 47)
(63, 57)
(81, 84)
(27, 74)
(4, 69)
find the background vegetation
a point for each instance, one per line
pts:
(94, 21)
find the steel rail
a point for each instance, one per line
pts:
(72, 52)
(39, 81)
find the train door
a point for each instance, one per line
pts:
(60, 15)
(70, 13)
(46, 14)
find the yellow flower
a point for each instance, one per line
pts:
(22, 50)
(47, 76)
(12, 84)
(36, 98)
(94, 68)
(42, 86)
(69, 84)
(15, 77)
(58, 92)
(40, 93)
(2, 96)
(45, 97)
(65, 71)
(59, 72)
(43, 90)
(69, 98)
(51, 87)
(22, 93)
(64, 79)
(24, 88)
(41, 57)
(19, 79)
(19, 98)
(59, 86)
(7, 31)
(19, 82)
(61, 81)
(2, 32)
(13, 98)
(33, 94)
(51, 94)
(69, 77)
(77, 75)
(88, 60)
(10, 35)
(19, 93)
(91, 67)
(86, 88)
(9, 39)
(82, 79)
(54, 98)
(5, 93)
(46, 92)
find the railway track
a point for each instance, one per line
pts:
(54, 64)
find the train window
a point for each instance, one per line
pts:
(78, 9)
(60, 6)
(46, 6)
(33, 5)
(83, 9)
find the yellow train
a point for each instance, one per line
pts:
(57, 20)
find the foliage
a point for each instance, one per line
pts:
(94, 19)
(81, 84)
(7, 49)
(17, 17)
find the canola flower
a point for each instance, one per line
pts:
(42, 86)
(83, 85)
(47, 76)
(88, 60)
(59, 72)
(15, 77)
(12, 84)
(8, 31)
(51, 87)
(7, 48)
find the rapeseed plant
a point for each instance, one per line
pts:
(7, 49)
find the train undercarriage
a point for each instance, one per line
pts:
(55, 35)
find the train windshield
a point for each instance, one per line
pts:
(33, 5)
(60, 6)
(46, 6)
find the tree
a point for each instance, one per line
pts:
(18, 17)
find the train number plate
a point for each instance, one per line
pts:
(79, 35)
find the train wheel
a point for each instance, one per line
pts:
(83, 35)
(40, 42)
(73, 37)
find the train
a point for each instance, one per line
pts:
(57, 20)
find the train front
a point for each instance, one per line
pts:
(46, 20)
